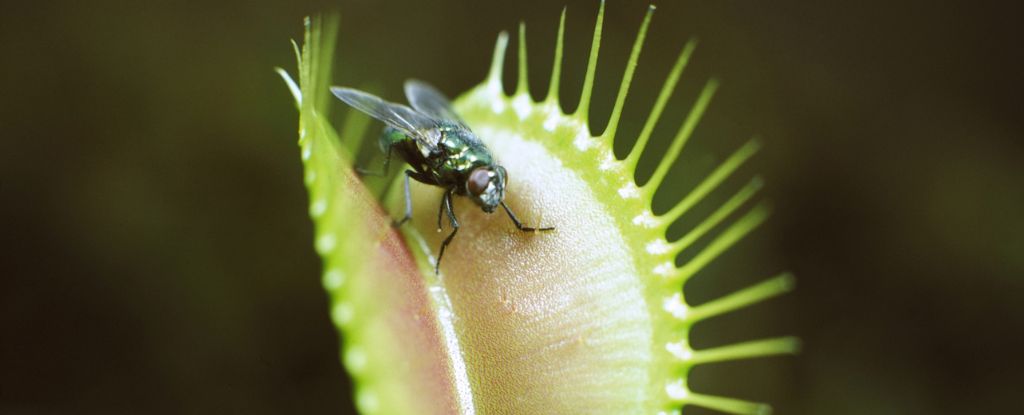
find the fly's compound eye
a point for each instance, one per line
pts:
(478, 181)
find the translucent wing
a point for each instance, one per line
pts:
(419, 126)
(428, 100)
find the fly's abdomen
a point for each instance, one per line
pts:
(389, 137)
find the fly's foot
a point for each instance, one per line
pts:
(520, 226)
(399, 223)
(367, 172)
(535, 230)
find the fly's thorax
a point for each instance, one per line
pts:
(459, 153)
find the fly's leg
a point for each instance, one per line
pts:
(408, 200)
(384, 171)
(440, 212)
(519, 224)
(446, 204)
(408, 196)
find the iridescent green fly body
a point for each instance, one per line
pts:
(441, 150)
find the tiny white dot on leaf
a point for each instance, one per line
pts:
(681, 350)
(658, 246)
(552, 120)
(342, 313)
(629, 191)
(355, 358)
(665, 269)
(677, 390)
(608, 162)
(333, 279)
(318, 207)
(521, 104)
(674, 305)
(583, 140)
(498, 106)
(646, 219)
(367, 401)
(325, 243)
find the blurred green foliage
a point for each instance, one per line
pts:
(157, 246)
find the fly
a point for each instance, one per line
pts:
(440, 148)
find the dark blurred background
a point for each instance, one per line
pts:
(156, 250)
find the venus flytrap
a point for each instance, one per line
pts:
(590, 318)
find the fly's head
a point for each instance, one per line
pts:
(486, 186)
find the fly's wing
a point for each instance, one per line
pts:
(428, 100)
(419, 126)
